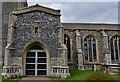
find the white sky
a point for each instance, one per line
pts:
(62, 0)
(83, 11)
(73, 0)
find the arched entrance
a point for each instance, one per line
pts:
(36, 60)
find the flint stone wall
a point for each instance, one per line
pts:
(24, 32)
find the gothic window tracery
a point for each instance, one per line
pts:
(90, 54)
(115, 48)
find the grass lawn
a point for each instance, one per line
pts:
(75, 75)
(0, 72)
(83, 75)
(117, 76)
(79, 75)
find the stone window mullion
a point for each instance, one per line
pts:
(88, 49)
(118, 47)
(114, 49)
(85, 50)
(92, 49)
(66, 41)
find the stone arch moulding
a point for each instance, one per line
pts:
(110, 37)
(67, 35)
(95, 37)
(113, 36)
(25, 51)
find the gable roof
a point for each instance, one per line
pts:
(37, 8)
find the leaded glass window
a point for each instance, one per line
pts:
(90, 49)
(115, 48)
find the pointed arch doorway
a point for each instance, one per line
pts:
(36, 60)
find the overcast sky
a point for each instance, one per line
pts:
(87, 11)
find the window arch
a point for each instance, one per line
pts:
(90, 54)
(115, 48)
(67, 43)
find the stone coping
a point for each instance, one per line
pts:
(37, 8)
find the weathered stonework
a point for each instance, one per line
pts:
(63, 43)
(29, 27)
(24, 32)
(96, 31)
(6, 8)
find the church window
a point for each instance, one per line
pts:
(90, 49)
(115, 48)
(67, 43)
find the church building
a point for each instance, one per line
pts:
(35, 43)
